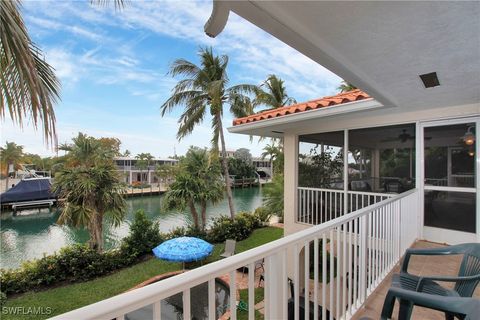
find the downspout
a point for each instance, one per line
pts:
(218, 19)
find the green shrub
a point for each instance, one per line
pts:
(144, 235)
(80, 263)
(73, 263)
(3, 298)
(252, 220)
(224, 228)
(263, 214)
(189, 231)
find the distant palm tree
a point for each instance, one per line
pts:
(197, 183)
(204, 89)
(29, 87)
(346, 86)
(143, 163)
(273, 94)
(10, 155)
(271, 151)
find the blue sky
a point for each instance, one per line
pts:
(113, 68)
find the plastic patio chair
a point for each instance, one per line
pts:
(229, 248)
(465, 282)
(464, 308)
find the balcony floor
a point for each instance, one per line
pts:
(420, 265)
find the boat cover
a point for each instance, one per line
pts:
(28, 190)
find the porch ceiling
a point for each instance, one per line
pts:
(383, 47)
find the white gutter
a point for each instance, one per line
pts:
(355, 106)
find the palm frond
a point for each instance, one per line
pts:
(29, 87)
(179, 98)
(182, 67)
(119, 4)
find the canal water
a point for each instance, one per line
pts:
(33, 233)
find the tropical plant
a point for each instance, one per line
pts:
(274, 196)
(272, 152)
(346, 86)
(197, 183)
(204, 89)
(10, 155)
(164, 172)
(29, 87)
(144, 235)
(92, 195)
(143, 162)
(243, 154)
(273, 94)
(240, 168)
(87, 151)
(91, 188)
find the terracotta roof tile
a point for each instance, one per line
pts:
(341, 98)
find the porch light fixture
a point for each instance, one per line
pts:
(471, 153)
(469, 137)
(430, 80)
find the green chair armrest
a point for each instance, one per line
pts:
(445, 279)
(458, 249)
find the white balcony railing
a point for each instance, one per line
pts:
(350, 256)
(317, 206)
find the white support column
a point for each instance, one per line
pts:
(376, 168)
(419, 176)
(130, 181)
(149, 177)
(345, 171)
(477, 176)
(290, 175)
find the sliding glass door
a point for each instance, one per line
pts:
(450, 169)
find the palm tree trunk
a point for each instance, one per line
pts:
(6, 186)
(96, 233)
(225, 170)
(194, 213)
(204, 215)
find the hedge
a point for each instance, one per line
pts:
(78, 262)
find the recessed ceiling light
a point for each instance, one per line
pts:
(278, 132)
(430, 80)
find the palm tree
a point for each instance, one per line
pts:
(345, 87)
(271, 151)
(273, 94)
(10, 155)
(29, 87)
(204, 89)
(143, 162)
(91, 195)
(164, 172)
(197, 182)
(90, 186)
(83, 150)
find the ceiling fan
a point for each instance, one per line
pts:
(403, 137)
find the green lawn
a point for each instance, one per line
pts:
(242, 314)
(74, 296)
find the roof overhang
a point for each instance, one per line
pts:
(380, 47)
(276, 126)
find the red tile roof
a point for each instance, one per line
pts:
(341, 98)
